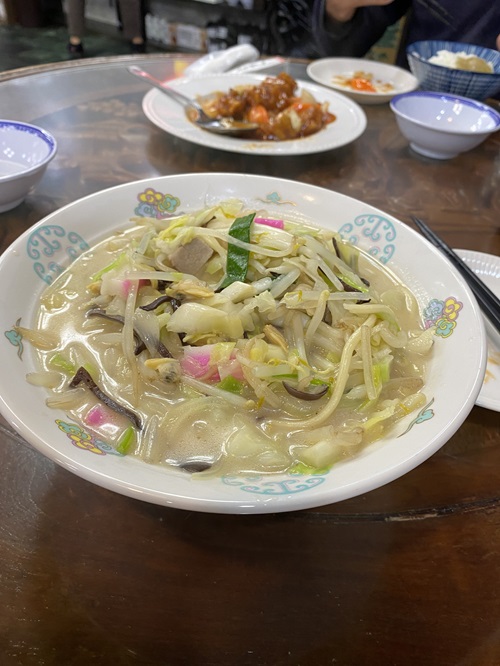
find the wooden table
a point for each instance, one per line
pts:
(408, 574)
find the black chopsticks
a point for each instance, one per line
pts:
(489, 303)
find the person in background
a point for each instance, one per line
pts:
(349, 28)
(130, 12)
(288, 28)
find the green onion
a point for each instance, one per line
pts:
(125, 440)
(318, 382)
(237, 257)
(114, 264)
(91, 369)
(58, 361)
(381, 373)
(358, 286)
(303, 468)
(231, 384)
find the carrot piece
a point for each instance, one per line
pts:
(361, 84)
(258, 114)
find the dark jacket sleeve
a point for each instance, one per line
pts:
(354, 38)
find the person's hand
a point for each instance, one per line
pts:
(343, 10)
(498, 43)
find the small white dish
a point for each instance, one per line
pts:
(166, 114)
(388, 80)
(487, 267)
(442, 126)
(25, 152)
(453, 382)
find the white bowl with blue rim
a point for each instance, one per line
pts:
(446, 304)
(442, 126)
(25, 153)
(431, 76)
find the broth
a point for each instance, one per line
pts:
(312, 354)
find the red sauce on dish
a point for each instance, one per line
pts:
(363, 82)
(359, 83)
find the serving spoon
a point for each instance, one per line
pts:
(194, 111)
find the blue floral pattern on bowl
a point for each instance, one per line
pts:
(84, 440)
(156, 205)
(265, 485)
(378, 229)
(442, 315)
(48, 241)
(15, 338)
(424, 414)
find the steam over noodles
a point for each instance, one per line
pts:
(231, 342)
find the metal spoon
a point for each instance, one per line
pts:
(194, 111)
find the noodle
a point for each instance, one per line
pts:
(219, 330)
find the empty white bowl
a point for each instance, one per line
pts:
(442, 126)
(25, 152)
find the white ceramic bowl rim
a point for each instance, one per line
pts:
(455, 47)
(42, 134)
(467, 101)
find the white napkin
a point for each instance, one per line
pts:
(218, 62)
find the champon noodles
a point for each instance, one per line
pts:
(226, 341)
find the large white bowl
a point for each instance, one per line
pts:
(442, 126)
(25, 152)
(455, 372)
(328, 70)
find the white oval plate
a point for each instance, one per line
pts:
(487, 267)
(168, 115)
(452, 386)
(325, 70)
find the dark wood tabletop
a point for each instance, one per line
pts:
(408, 574)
